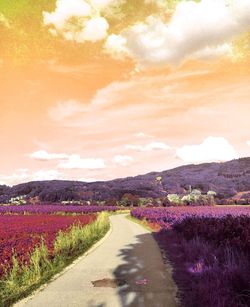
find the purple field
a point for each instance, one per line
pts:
(166, 217)
(209, 249)
(53, 209)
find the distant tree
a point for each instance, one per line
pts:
(211, 193)
(211, 197)
(174, 199)
(149, 202)
(19, 200)
(33, 200)
(196, 192)
(129, 200)
(165, 201)
(158, 179)
(142, 202)
(157, 202)
(188, 199)
(195, 197)
(110, 202)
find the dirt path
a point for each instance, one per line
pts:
(126, 268)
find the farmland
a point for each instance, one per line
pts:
(209, 250)
(34, 247)
(55, 209)
(166, 217)
(125, 153)
(23, 234)
(207, 247)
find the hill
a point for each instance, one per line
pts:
(228, 180)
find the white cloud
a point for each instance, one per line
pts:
(65, 10)
(43, 155)
(76, 162)
(46, 175)
(214, 52)
(122, 160)
(116, 45)
(25, 175)
(211, 149)
(142, 135)
(65, 109)
(19, 176)
(194, 26)
(105, 96)
(137, 90)
(157, 146)
(248, 143)
(95, 29)
(66, 161)
(77, 20)
(149, 147)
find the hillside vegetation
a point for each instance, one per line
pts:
(230, 181)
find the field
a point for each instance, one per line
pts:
(34, 247)
(167, 217)
(209, 249)
(20, 235)
(55, 209)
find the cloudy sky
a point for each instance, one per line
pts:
(100, 89)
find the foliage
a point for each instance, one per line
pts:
(174, 198)
(206, 275)
(225, 179)
(211, 193)
(225, 231)
(196, 192)
(209, 250)
(23, 278)
(20, 235)
(52, 209)
(167, 217)
(19, 200)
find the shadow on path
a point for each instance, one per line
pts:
(146, 280)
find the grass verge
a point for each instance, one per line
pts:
(22, 280)
(152, 227)
(125, 211)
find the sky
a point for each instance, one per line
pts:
(102, 89)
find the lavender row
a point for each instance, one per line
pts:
(166, 217)
(52, 209)
(208, 248)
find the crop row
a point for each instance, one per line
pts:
(52, 209)
(209, 249)
(20, 235)
(167, 217)
(229, 231)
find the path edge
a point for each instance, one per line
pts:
(23, 301)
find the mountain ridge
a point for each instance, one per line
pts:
(227, 179)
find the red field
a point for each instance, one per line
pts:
(19, 235)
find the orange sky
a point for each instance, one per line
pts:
(99, 117)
